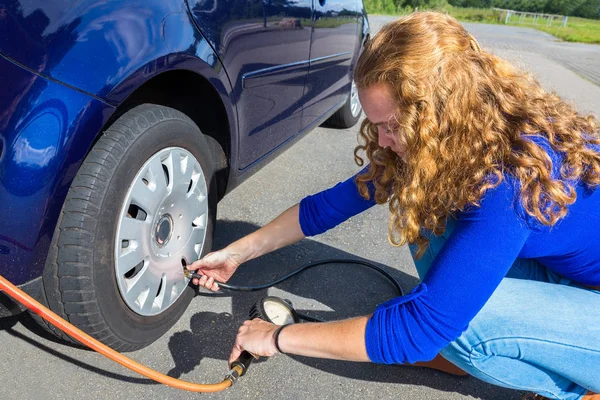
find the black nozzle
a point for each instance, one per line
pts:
(243, 362)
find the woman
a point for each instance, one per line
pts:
(492, 181)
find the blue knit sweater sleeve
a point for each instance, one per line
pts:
(329, 208)
(484, 245)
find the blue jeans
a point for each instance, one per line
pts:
(538, 332)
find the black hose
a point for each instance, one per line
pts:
(302, 269)
(312, 265)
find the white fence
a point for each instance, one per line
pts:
(523, 17)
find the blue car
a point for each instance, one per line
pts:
(124, 122)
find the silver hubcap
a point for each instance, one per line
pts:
(162, 227)
(355, 107)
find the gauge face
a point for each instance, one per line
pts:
(278, 312)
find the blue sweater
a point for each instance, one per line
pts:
(485, 243)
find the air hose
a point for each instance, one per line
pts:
(238, 368)
(309, 266)
(76, 333)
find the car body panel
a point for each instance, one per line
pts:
(334, 44)
(46, 55)
(107, 49)
(47, 129)
(91, 45)
(264, 46)
(66, 66)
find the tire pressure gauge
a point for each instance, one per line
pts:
(271, 309)
(274, 310)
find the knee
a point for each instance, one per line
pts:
(469, 352)
(459, 353)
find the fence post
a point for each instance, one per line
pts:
(523, 15)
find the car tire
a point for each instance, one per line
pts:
(349, 114)
(84, 279)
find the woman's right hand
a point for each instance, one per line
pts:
(218, 265)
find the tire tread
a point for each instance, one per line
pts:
(75, 296)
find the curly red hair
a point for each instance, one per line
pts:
(462, 113)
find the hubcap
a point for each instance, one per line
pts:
(162, 228)
(355, 106)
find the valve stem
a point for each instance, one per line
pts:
(191, 274)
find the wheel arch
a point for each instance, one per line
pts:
(195, 96)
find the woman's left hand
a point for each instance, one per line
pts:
(256, 337)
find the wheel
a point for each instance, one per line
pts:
(349, 114)
(141, 207)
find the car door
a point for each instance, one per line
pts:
(334, 43)
(264, 46)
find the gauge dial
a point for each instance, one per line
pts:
(274, 310)
(277, 312)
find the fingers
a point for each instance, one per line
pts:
(206, 281)
(256, 337)
(210, 284)
(195, 265)
(237, 346)
(235, 353)
(203, 280)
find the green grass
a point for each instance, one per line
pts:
(481, 15)
(577, 30)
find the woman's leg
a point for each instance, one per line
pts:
(535, 336)
(535, 333)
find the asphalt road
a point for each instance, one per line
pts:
(33, 366)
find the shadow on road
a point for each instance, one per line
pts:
(343, 290)
(347, 290)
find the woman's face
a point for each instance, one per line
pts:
(379, 106)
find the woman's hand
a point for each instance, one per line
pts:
(256, 337)
(218, 265)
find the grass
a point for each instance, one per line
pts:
(482, 15)
(577, 30)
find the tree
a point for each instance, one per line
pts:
(562, 7)
(588, 9)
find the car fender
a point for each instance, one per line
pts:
(72, 77)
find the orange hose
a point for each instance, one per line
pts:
(23, 298)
